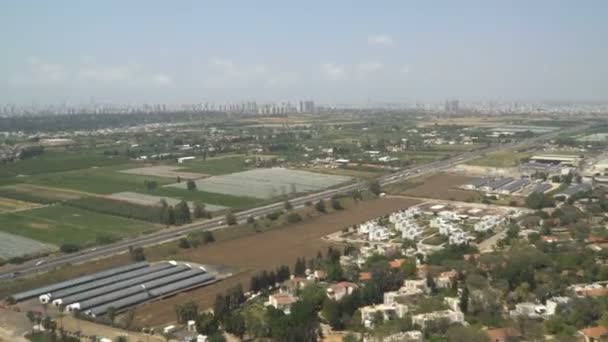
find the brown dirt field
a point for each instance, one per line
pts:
(264, 251)
(442, 186)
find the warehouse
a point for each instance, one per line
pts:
(121, 287)
(496, 183)
(541, 188)
(572, 190)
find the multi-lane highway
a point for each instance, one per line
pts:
(218, 223)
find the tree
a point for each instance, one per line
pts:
(207, 324)
(235, 324)
(199, 210)
(332, 314)
(231, 219)
(375, 188)
(182, 212)
(111, 313)
(459, 333)
(150, 184)
(336, 205)
(191, 185)
(464, 300)
(294, 217)
(357, 195)
(287, 205)
(137, 254)
(31, 316)
(171, 216)
(69, 248)
(300, 267)
(186, 312)
(320, 206)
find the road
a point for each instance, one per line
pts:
(218, 223)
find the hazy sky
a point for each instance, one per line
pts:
(330, 51)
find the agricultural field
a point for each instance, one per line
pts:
(97, 180)
(217, 165)
(500, 159)
(150, 200)
(441, 186)
(163, 171)
(51, 162)
(12, 246)
(287, 244)
(267, 183)
(38, 194)
(9, 204)
(59, 224)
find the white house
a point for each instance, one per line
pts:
(388, 311)
(451, 316)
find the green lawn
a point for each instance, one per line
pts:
(60, 224)
(499, 159)
(216, 166)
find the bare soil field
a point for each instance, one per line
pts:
(47, 192)
(264, 251)
(441, 186)
(164, 171)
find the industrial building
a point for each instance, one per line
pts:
(121, 287)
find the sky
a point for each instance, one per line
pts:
(147, 51)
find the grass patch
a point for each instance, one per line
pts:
(61, 224)
(500, 159)
(37, 194)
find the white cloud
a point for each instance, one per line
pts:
(107, 74)
(405, 69)
(380, 39)
(228, 69)
(42, 72)
(369, 67)
(162, 79)
(332, 71)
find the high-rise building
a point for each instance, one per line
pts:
(451, 106)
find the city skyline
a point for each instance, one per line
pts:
(154, 52)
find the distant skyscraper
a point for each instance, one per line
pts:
(451, 106)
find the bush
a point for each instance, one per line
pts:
(294, 217)
(231, 219)
(273, 216)
(336, 205)
(69, 248)
(191, 185)
(320, 206)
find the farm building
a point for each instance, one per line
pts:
(541, 188)
(572, 190)
(556, 159)
(477, 183)
(496, 184)
(121, 287)
(184, 159)
(514, 186)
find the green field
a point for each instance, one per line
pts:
(58, 162)
(60, 224)
(98, 180)
(216, 166)
(206, 197)
(500, 159)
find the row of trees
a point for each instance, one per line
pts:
(265, 279)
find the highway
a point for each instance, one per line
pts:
(170, 234)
